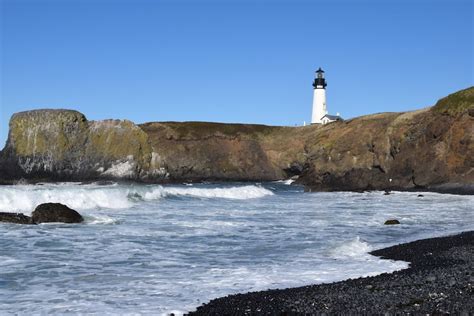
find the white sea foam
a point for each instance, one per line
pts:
(100, 220)
(172, 254)
(236, 193)
(286, 182)
(352, 248)
(24, 198)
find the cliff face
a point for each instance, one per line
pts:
(63, 145)
(430, 148)
(45, 145)
(212, 151)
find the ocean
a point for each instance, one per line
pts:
(157, 249)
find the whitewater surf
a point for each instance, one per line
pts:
(169, 248)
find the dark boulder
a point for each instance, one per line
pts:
(392, 222)
(44, 213)
(55, 212)
(16, 218)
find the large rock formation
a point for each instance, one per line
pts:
(426, 149)
(46, 145)
(63, 145)
(213, 151)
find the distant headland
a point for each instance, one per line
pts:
(428, 149)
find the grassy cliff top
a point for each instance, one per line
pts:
(456, 103)
(43, 112)
(204, 129)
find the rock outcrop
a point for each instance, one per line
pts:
(55, 212)
(15, 218)
(63, 145)
(392, 222)
(195, 151)
(44, 213)
(426, 149)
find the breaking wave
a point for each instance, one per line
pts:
(236, 193)
(24, 198)
(352, 248)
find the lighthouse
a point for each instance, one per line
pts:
(320, 112)
(319, 97)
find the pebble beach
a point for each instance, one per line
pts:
(439, 280)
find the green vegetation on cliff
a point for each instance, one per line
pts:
(200, 130)
(456, 103)
(46, 132)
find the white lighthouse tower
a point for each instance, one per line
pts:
(319, 98)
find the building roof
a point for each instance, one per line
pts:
(319, 70)
(332, 117)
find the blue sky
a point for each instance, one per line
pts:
(230, 61)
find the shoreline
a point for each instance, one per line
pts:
(439, 280)
(447, 188)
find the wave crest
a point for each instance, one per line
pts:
(352, 248)
(24, 198)
(235, 193)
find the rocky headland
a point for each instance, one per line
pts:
(428, 149)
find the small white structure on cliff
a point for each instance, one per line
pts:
(320, 114)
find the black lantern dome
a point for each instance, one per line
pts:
(319, 81)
